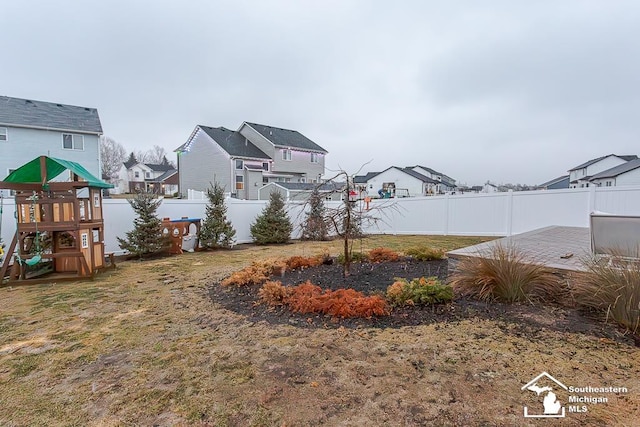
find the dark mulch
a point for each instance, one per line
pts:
(519, 319)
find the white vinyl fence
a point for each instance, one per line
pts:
(496, 214)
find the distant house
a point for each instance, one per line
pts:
(243, 161)
(490, 188)
(580, 175)
(31, 128)
(555, 184)
(154, 178)
(625, 174)
(446, 183)
(299, 191)
(399, 182)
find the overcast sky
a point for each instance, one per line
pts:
(508, 91)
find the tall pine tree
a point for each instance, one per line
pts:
(273, 224)
(216, 231)
(146, 237)
(315, 223)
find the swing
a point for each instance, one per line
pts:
(38, 256)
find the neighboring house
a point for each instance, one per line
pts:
(154, 178)
(490, 188)
(30, 128)
(555, 184)
(400, 182)
(446, 183)
(580, 175)
(243, 161)
(299, 191)
(625, 174)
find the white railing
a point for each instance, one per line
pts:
(495, 214)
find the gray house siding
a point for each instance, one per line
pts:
(300, 163)
(24, 144)
(564, 183)
(204, 163)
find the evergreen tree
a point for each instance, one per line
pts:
(146, 236)
(132, 158)
(216, 231)
(273, 224)
(315, 224)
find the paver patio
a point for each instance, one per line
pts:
(557, 247)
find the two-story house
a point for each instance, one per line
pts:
(150, 177)
(32, 128)
(580, 175)
(242, 161)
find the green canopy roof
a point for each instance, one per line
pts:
(29, 173)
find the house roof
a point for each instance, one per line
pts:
(130, 163)
(553, 181)
(419, 176)
(362, 179)
(39, 114)
(592, 161)
(286, 138)
(618, 170)
(253, 167)
(445, 178)
(159, 167)
(233, 143)
(164, 176)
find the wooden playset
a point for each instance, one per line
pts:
(59, 224)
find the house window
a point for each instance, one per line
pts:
(239, 164)
(608, 184)
(4, 136)
(147, 174)
(72, 141)
(286, 155)
(265, 166)
(314, 157)
(239, 182)
(265, 180)
(136, 174)
(84, 238)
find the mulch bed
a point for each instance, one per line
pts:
(519, 319)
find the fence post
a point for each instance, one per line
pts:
(592, 199)
(510, 213)
(446, 214)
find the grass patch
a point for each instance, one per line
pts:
(425, 253)
(504, 274)
(25, 365)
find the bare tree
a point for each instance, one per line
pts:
(112, 155)
(157, 155)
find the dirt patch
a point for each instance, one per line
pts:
(519, 319)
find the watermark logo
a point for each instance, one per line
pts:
(544, 385)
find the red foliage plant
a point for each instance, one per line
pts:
(383, 255)
(258, 272)
(303, 262)
(309, 298)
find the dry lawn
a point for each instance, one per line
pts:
(145, 345)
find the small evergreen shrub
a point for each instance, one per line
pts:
(422, 291)
(383, 255)
(146, 238)
(309, 298)
(273, 293)
(505, 274)
(425, 253)
(273, 224)
(611, 287)
(216, 230)
(315, 225)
